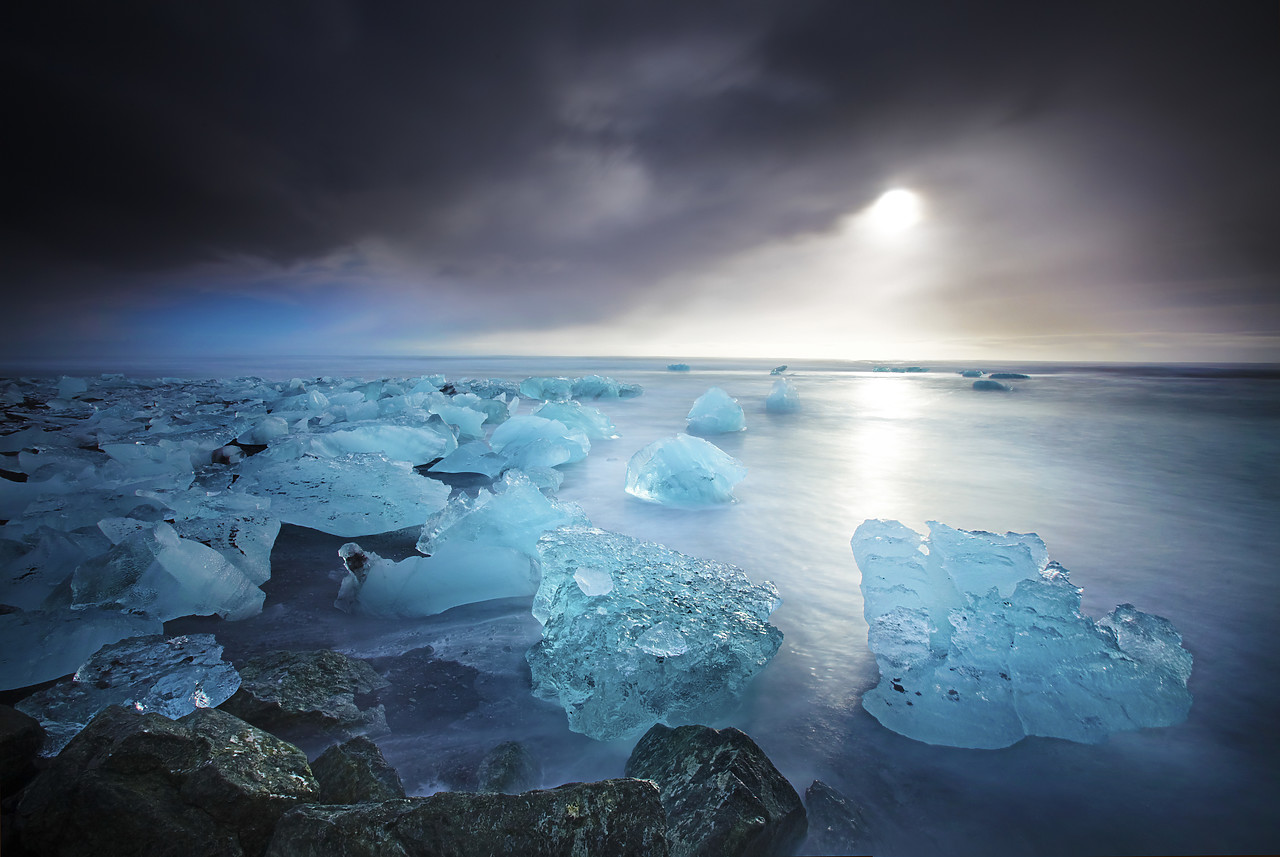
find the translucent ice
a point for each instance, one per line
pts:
(473, 457)
(634, 633)
(576, 415)
(684, 472)
(980, 641)
(171, 676)
(783, 398)
(528, 441)
(547, 389)
(514, 514)
(716, 412)
(37, 646)
(459, 572)
(416, 444)
(354, 495)
(601, 387)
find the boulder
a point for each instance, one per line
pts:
(135, 784)
(509, 768)
(836, 824)
(722, 795)
(355, 771)
(21, 737)
(308, 697)
(611, 818)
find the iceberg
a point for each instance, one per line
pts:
(171, 676)
(577, 415)
(634, 633)
(716, 412)
(528, 441)
(783, 398)
(459, 572)
(514, 515)
(980, 642)
(678, 367)
(684, 472)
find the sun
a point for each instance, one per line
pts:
(897, 210)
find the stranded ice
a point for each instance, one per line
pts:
(783, 398)
(514, 515)
(634, 633)
(684, 472)
(980, 641)
(716, 412)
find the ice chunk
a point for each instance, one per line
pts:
(634, 633)
(577, 415)
(457, 412)
(514, 515)
(547, 389)
(678, 367)
(417, 444)
(783, 398)
(35, 573)
(980, 641)
(265, 430)
(69, 388)
(684, 472)
(474, 457)
(355, 495)
(716, 412)
(170, 676)
(529, 441)
(991, 386)
(600, 387)
(778, 370)
(37, 646)
(459, 572)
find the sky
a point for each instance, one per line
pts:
(1084, 181)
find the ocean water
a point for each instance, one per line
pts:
(1156, 486)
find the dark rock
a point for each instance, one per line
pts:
(142, 784)
(308, 697)
(721, 793)
(612, 818)
(836, 824)
(509, 769)
(21, 737)
(355, 771)
(422, 688)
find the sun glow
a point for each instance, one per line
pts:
(897, 211)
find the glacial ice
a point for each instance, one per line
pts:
(634, 633)
(577, 415)
(547, 389)
(678, 367)
(980, 642)
(783, 398)
(528, 441)
(601, 387)
(473, 457)
(416, 444)
(991, 386)
(171, 676)
(37, 646)
(355, 495)
(459, 572)
(514, 514)
(684, 472)
(716, 412)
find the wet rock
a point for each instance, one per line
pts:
(355, 771)
(308, 697)
(509, 769)
(613, 818)
(721, 793)
(836, 824)
(134, 784)
(20, 740)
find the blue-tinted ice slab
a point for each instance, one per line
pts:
(528, 441)
(602, 387)
(355, 495)
(980, 642)
(783, 398)
(170, 676)
(37, 646)
(416, 444)
(576, 415)
(514, 515)
(459, 572)
(634, 633)
(547, 389)
(716, 412)
(473, 457)
(684, 472)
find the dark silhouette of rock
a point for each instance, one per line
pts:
(141, 784)
(509, 769)
(836, 824)
(355, 771)
(308, 697)
(613, 818)
(21, 737)
(722, 795)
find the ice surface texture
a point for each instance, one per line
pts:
(684, 472)
(783, 398)
(716, 412)
(634, 633)
(514, 515)
(980, 642)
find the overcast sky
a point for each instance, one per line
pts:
(1096, 181)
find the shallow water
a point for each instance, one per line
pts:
(1157, 488)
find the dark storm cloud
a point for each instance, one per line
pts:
(560, 158)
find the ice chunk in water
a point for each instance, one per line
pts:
(36, 646)
(547, 389)
(528, 441)
(601, 387)
(171, 676)
(980, 641)
(474, 457)
(576, 415)
(417, 444)
(459, 572)
(634, 633)
(684, 472)
(514, 514)
(355, 495)
(783, 398)
(716, 412)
